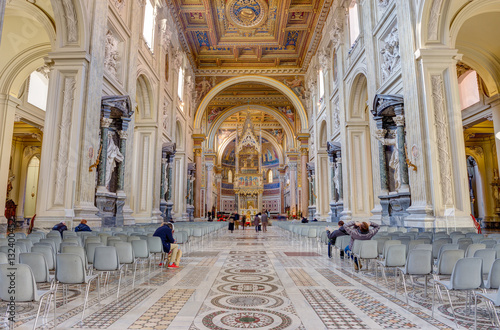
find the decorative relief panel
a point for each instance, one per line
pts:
(71, 21)
(441, 122)
(64, 138)
(390, 57)
(111, 55)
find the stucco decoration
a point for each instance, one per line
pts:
(64, 137)
(435, 13)
(111, 54)
(324, 59)
(441, 122)
(71, 21)
(165, 115)
(390, 53)
(247, 13)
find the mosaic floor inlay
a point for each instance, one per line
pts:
(162, 313)
(262, 281)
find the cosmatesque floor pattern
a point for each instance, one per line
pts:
(249, 280)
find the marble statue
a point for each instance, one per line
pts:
(114, 157)
(394, 164)
(336, 179)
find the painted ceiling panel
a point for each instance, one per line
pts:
(273, 35)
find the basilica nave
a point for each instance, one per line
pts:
(129, 113)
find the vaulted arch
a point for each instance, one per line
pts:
(297, 104)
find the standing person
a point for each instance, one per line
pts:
(332, 237)
(165, 232)
(210, 216)
(360, 231)
(83, 226)
(265, 220)
(256, 221)
(243, 221)
(60, 227)
(231, 223)
(236, 220)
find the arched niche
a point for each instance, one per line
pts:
(231, 137)
(323, 135)
(297, 104)
(284, 122)
(145, 102)
(179, 135)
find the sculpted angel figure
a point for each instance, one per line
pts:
(297, 86)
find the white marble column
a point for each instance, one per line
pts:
(210, 175)
(7, 114)
(293, 187)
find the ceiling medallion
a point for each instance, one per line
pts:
(247, 13)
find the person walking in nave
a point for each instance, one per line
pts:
(231, 223)
(256, 222)
(236, 220)
(265, 220)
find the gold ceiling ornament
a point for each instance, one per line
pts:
(247, 14)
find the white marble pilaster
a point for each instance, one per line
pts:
(444, 151)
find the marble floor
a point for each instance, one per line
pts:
(254, 281)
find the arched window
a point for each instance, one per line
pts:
(38, 90)
(270, 176)
(149, 24)
(353, 22)
(180, 87)
(230, 176)
(469, 89)
(321, 85)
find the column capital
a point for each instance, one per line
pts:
(380, 133)
(123, 135)
(106, 122)
(304, 151)
(399, 120)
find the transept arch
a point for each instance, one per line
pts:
(246, 79)
(212, 132)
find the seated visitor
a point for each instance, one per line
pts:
(165, 232)
(83, 226)
(60, 227)
(332, 237)
(360, 231)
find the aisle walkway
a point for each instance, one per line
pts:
(249, 280)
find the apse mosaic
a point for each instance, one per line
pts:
(228, 157)
(269, 154)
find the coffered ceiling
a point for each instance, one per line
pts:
(250, 36)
